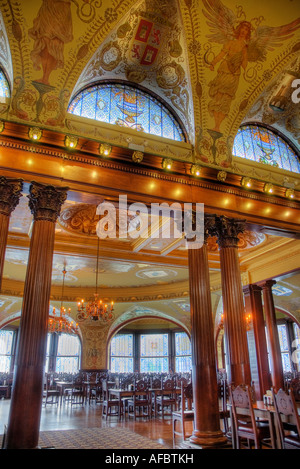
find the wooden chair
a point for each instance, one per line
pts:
(167, 398)
(223, 395)
(75, 393)
(287, 419)
(246, 426)
(156, 383)
(108, 403)
(50, 394)
(185, 413)
(140, 401)
(295, 388)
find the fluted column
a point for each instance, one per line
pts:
(237, 356)
(253, 303)
(27, 392)
(207, 432)
(273, 338)
(10, 193)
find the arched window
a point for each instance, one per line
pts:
(64, 353)
(4, 87)
(6, 350)
(260, 144)
(126, 106)
(183, 352)
(150, 352)
(121, 353)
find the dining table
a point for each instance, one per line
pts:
(120, 394)
(159, 391)
(62, 386)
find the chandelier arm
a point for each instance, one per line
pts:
(63, 288)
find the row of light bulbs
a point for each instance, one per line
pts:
(246, 182)
(167, 164)
(71, 141)
(268, 187)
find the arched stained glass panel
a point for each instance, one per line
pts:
(183, 353)
(4, 87)
(259, 144)
(126, 106)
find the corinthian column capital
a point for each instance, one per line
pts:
(227, 230)
(10, 193)
(45, 201)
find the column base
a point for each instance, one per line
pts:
(207, 440)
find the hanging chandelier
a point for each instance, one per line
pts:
(96, 310)
(61, 323)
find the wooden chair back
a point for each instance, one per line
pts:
(141, 385)
(181, 381)
(105, 390)
(168, 385)
(295, 387)
(241, 398)
(286, 415)
(186, 396)
(223, 394)
(156, 383)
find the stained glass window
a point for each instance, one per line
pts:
(296, 346)
(49, 338)
(297, 333)
(284, 347)
(126, 106)
(6, 343)
(154, 353)
(68, 354)
(121, 353)
(4, 88)
(286, 341)
(260, 144)
(183, 353)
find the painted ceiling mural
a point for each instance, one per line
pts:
(275, 106)
(209, 60)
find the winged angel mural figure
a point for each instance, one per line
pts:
(242, 43)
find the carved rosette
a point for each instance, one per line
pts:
(45, 201)
(227, 231)
(10, 193)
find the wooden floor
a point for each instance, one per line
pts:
(67, 417)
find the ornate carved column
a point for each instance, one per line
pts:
(237, 356)
(207, 432)
(272, 333)
(27, 392)
(10, 193)
(253, 304)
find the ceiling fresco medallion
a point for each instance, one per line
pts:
(79, 219)
(82, 219)
(156, 274)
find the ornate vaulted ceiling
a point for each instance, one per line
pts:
(51, 49)
(173, 48)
